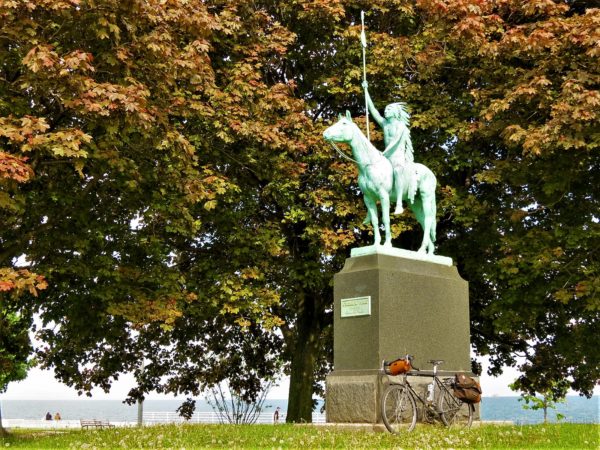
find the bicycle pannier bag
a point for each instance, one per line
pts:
(398, 366)
(466, 388)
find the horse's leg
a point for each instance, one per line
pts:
(417, 207)
(426, 217)
(427, 193)
(398, 173)
(385, 216)
(430, 210)
(371, 204)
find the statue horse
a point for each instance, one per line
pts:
(376, 182)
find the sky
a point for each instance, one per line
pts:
(41, 385)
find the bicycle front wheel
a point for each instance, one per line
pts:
(398, 409)
(454, 412)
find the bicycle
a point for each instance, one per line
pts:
(399, 401)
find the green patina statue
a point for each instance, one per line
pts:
(391, 176)
(378, 175)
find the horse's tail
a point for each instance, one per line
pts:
(432, 230)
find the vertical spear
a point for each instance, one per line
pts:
(363, 41)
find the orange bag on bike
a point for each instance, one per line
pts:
(398, 366)
(466, 388)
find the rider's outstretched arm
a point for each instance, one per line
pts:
(374, 113)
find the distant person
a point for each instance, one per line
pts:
(276, 416)
(57, 416)
(48, 416)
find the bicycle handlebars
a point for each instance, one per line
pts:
(435, 362)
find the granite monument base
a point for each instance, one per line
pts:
(385, 307)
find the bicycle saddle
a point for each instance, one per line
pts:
(436, 362)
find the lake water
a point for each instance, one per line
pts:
(576, 409)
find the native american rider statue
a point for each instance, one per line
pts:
(398, 147)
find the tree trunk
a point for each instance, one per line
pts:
(300, 404)
(305, 351)
(2, 430)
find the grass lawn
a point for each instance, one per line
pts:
(563, 436)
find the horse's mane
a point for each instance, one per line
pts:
(364, 139)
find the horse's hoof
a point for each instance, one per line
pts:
(398, 211)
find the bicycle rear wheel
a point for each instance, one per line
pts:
(454, 412)
(398, 409)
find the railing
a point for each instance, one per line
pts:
(212, 417)
(150, 418)
(50, 424)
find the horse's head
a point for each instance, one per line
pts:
(342, 131)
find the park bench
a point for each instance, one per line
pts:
(87, 423)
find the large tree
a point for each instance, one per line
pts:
(167, 208)
(184, 204)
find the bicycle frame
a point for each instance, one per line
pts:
(438, 387)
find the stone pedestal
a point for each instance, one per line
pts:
(385, 307)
